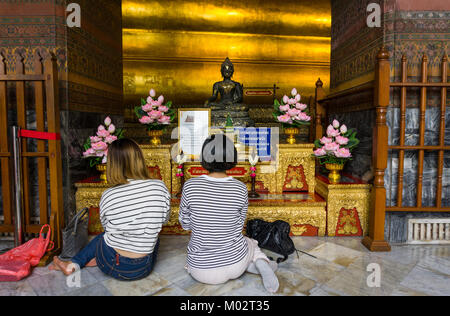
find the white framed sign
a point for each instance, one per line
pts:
(193, 128)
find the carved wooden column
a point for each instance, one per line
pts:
(375, 241)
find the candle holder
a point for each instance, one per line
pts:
(180, 160)
(253, 159)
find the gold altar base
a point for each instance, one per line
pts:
(347, 206)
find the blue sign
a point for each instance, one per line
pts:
(257, 137)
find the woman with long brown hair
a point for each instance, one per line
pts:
(132, 214)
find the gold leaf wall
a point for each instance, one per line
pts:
(177, 46)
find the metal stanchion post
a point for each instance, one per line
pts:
(17, 161)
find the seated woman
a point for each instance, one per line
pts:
(132, 214)
(214, 207)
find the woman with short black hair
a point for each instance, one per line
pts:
(214, 207)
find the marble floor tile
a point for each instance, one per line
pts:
(337, 254)
(171, 290)
(294, 284)
(318, 270)
(319, 291)
(354, 280)
(436, 264)
(172, 267)
(91, 290)
(55, 283)
(152, 284)
(195, 288)
(21, 288)
(354, 243)
(404, 291)
(307, 243)
(412, 254)
(425, 281)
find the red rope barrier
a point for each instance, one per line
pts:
(39, 135)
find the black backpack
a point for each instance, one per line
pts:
(274, 237)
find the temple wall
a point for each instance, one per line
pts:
(89, 67)
(410, 28)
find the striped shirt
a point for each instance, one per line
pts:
(215, 211)
(133, 214)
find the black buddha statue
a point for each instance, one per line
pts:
(231, 97)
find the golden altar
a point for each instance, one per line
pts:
(289, 190)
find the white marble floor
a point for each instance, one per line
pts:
(341, 269)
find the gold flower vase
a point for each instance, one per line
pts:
(102, 169)
(292, 131)
(334, 169)
(155, 137)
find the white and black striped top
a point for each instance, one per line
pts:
(133, 215)
(215, 211)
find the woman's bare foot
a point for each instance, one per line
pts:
(92, 263)
(66, 267)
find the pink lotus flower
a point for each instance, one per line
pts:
(95, 139)
(163, 108)
(101, 128)
(284, 108)
(336, 124)
(294, 112)
(285, 99)
(253, 175)
(341, 140)
(110, 139)
(326, 140)
(343, 129)
(150, 100)
(152, 93)
(294, 92)
(285, 118)
(304, 117)
(103, 133)
(100, 146)
(146, 120)
(161, 99)
(342, 153)
(107, 121)
(331, 147)
(155, 103)
(298, 97)
(292, 101)
(320, 152)
(331, 132)
(164, 120)
(147, 107)
(301, 106)
(89, 153)
(155, 114)
(111, 129)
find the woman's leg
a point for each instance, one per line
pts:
(260, 264)
(80, 260)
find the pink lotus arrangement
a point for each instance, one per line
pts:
(290, 112)
(337, 145)
(96, 147)
(154, 113)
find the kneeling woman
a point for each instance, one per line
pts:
(214, 207)
(132, 214)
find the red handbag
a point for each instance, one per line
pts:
(16, 264)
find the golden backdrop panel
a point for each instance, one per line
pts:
(143, 44)
(287, 17)
(188, 83)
